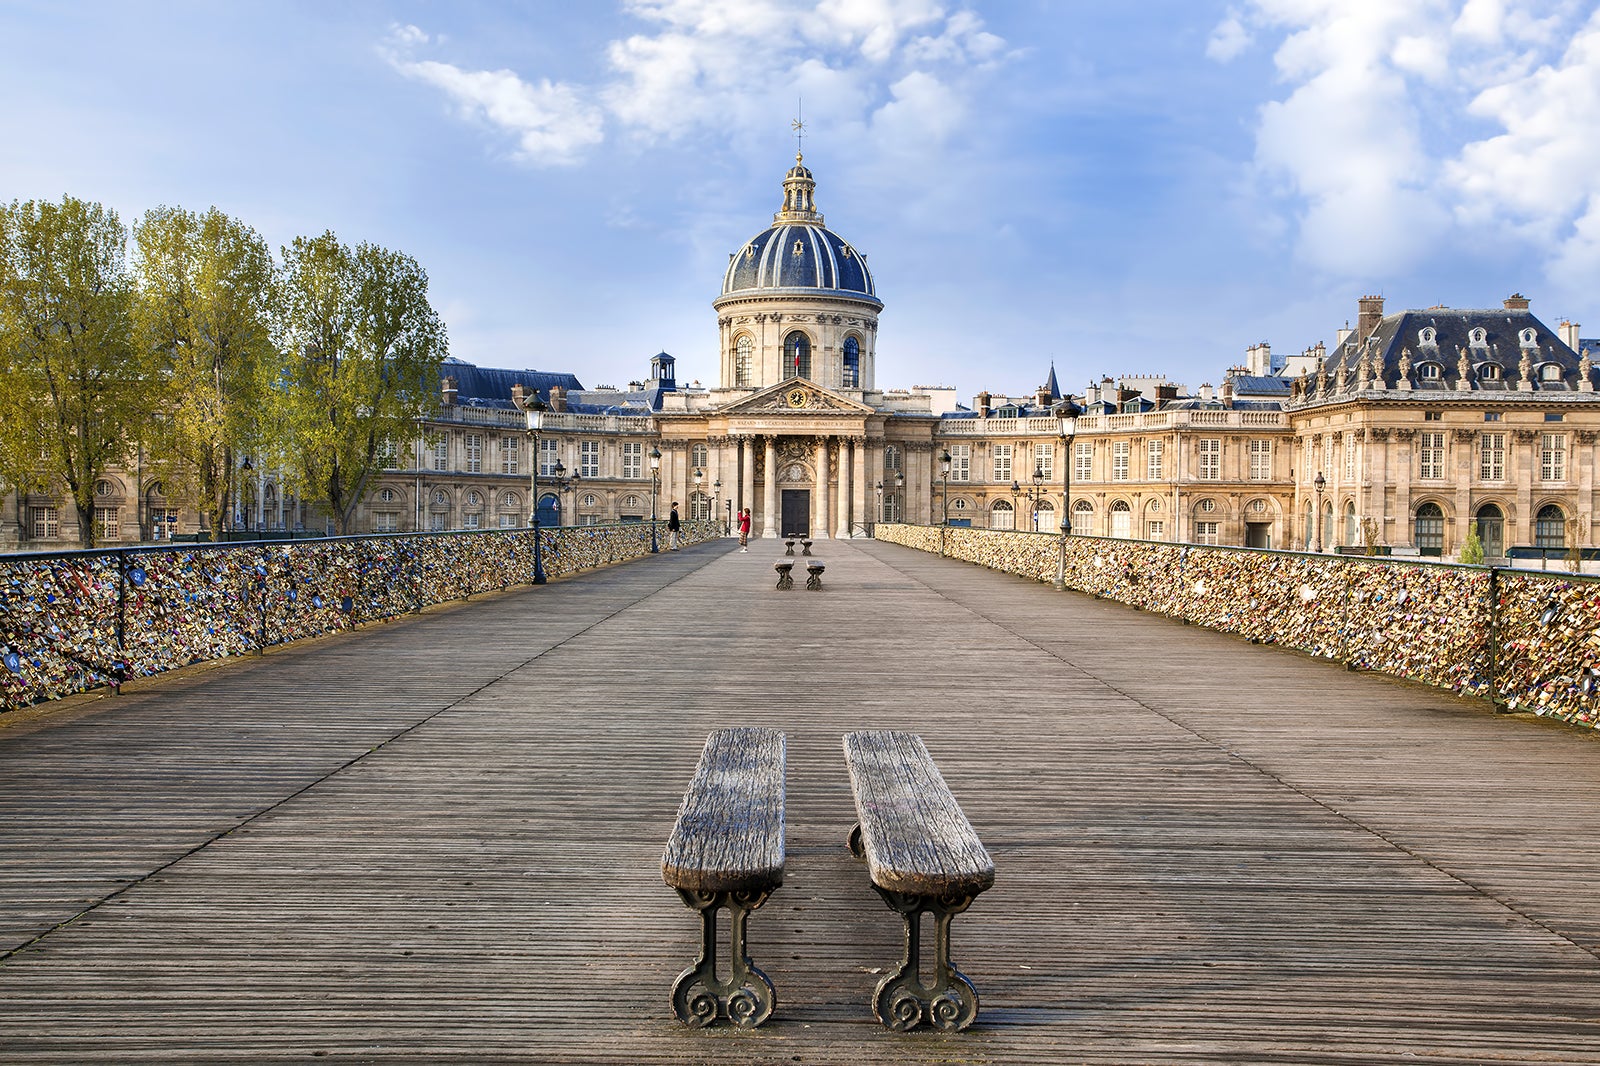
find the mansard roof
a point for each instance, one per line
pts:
(1447, 353)
(480, 386)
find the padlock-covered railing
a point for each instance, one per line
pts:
(74, 621)
(1527, 640)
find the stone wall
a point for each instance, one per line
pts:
(1525, 639)
(79, 620)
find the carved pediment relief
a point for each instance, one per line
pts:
(797, 395)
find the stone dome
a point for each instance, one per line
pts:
(798, 254)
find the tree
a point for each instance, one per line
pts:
(205, 309)
(1472, 547)
(74, 389)
(363, 352)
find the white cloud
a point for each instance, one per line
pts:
(882, 65)
(1378, 148)
(551, 122)
(1229, 39)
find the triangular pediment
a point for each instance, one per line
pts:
(797, 396)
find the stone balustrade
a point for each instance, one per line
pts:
(1527, 640)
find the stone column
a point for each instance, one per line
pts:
(747, 479)
(769, 495)
(846, 486)
(861, 481)
(819, 497)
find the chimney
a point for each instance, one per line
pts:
(518, 395)
(1371, 313)
(1205, 391)
(981, 402)
(1165, 394)
(558, 399)
(448, 390)
(1258, 359)
(1569, 334)
(1516, 302)
(1227, 392)
(1041, 398)
(1343, 334)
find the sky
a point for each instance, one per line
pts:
(1112, 188)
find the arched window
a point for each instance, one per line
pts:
(1046, 515)
(1489, 372)
(1550, 372)
(743, 358)
(1492, 530)
(1430, 371)
(797, 355)
(851, 378)
(1429, 529)
(1121, 519)
(549, 509)
(1082, 521)
(1350, 534)
(1310, 533)
(1550, 527)
(1002, 515)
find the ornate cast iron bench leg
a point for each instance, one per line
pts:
(813, 579)
(746, 996)
(902, 1002)
(785, 579)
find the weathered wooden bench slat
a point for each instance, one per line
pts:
(924, 858)
(729, 832)
(726, 852)
(914, 833)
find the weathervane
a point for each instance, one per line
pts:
(799, 127)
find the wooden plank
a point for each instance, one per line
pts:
(914, 835)
(728, 836)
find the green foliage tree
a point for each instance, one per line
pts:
(205, 309)
(1472, 547)
(74, 388)
(363, 352)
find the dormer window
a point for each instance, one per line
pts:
(1479, 337)
(1489, 372)
(1529, 338)
(1550, 372)
(1430, 372)
(1428, 337)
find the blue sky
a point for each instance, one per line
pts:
(1118, 188)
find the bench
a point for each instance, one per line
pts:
(785, 579)
(923, 856)
(789, 546)
(814, 574)
(726, 850)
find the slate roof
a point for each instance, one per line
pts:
(799, 255)
(1426, 347)
(479, 386)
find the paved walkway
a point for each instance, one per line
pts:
(438, 840)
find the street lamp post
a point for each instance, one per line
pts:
(1038, 494)
(880, 508)
(694, 504)
(655, 491)
(716, 493)
(1067, 419)
(535, 409)
(1319, 483)
(1016, 490)
(944, 490)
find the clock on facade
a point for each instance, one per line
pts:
(797, 397)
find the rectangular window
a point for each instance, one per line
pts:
(1082, 460)
(471, 520)
(385, 522)
(1044, 456)
(1432, 455)
(108, 524)
(1349, 457)
(961, 462)
(1552, 416)
(1433, 416)
(549, 456)
(1152, 462)
(1119, 459)
(510, 521)
(388, 455)
(632, 459)
(1002, 463)
(472, 445)
(1491, 416)
(439, 523)
(510, 455)
(1261, 460)
(1207, 533)
(1210, 458)
(441, 453)
(589, 458)
(1552, 457)
(1492, 457)
(1155, 530)
(46, 521)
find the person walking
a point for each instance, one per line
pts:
(672, 528)
(744, 530)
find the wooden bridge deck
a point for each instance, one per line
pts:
(438, 840)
